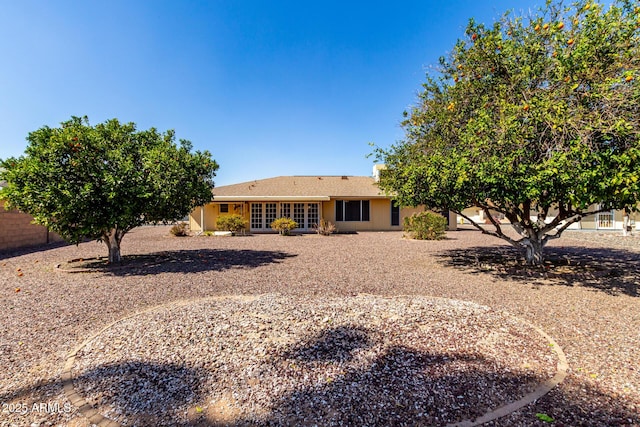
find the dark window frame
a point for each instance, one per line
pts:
(395, 214)
(353, 210)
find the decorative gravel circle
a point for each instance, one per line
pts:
(280, 360)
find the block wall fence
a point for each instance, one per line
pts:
(17, 231)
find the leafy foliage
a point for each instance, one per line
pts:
(233, 222)
(536, 118)
(284, 225)
(425, 226)
(99, 182)
(325, 228)
(544, 417)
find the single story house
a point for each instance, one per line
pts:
(609, 220)
(352, 203)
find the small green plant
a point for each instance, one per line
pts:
(325, 227)
(284, 226)
(180, 229)
(544, 417)
(208, 233)
(425, 226)
(231, 223)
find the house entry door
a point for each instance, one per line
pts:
(307, 215)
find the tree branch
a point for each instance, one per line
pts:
(498, 232)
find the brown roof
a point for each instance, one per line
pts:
(300, 187)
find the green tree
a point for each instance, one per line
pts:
(534, 117)
(99, 182)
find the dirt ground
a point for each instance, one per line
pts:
(585, 298)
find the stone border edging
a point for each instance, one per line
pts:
(101, 421)
(537, 393)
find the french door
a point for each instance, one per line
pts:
(306, 215)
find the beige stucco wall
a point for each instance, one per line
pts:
(380, 216)
(17, 231)
(587, 223)
(211, 213)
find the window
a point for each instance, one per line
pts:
(605, 219)
(256, 215)
(352, 210)
(285, 210)
(224, 208)
(269, 213)
(395, 213)
(312, 215)
(298, 214)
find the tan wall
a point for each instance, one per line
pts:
(211, 213)
(587, 223)
(17, 231)
(405, 212)
(380, 215)
(328, 211)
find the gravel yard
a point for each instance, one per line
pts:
(339, 330)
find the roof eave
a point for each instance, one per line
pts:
(271, 198)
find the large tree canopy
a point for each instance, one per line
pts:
(533, 117)
(101, 181)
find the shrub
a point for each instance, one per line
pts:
(231, 223)
(325, 227)
(179, 229)
(425, 226)
(284, 225)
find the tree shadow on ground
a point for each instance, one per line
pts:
(179, 261)
(412, 387)
(612, 271)
(331, 345)
(10, 253)
(148, 393)
(403, 386)
(409, 387)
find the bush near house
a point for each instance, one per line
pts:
(284, 226)
(325, 227)
(425, 226)
(233, 223)
(179, 229)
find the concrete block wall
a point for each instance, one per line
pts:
(17, 231)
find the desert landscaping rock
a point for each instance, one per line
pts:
(586, 298)
(340, 361)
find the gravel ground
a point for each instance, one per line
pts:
(586, 298)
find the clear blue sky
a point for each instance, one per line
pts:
(268, 87)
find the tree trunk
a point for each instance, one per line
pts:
(112, 240)
(533, 251)
(626, 224)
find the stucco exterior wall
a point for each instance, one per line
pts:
(17, 231)
(379, 214)
(211, 212)
(589, 222)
